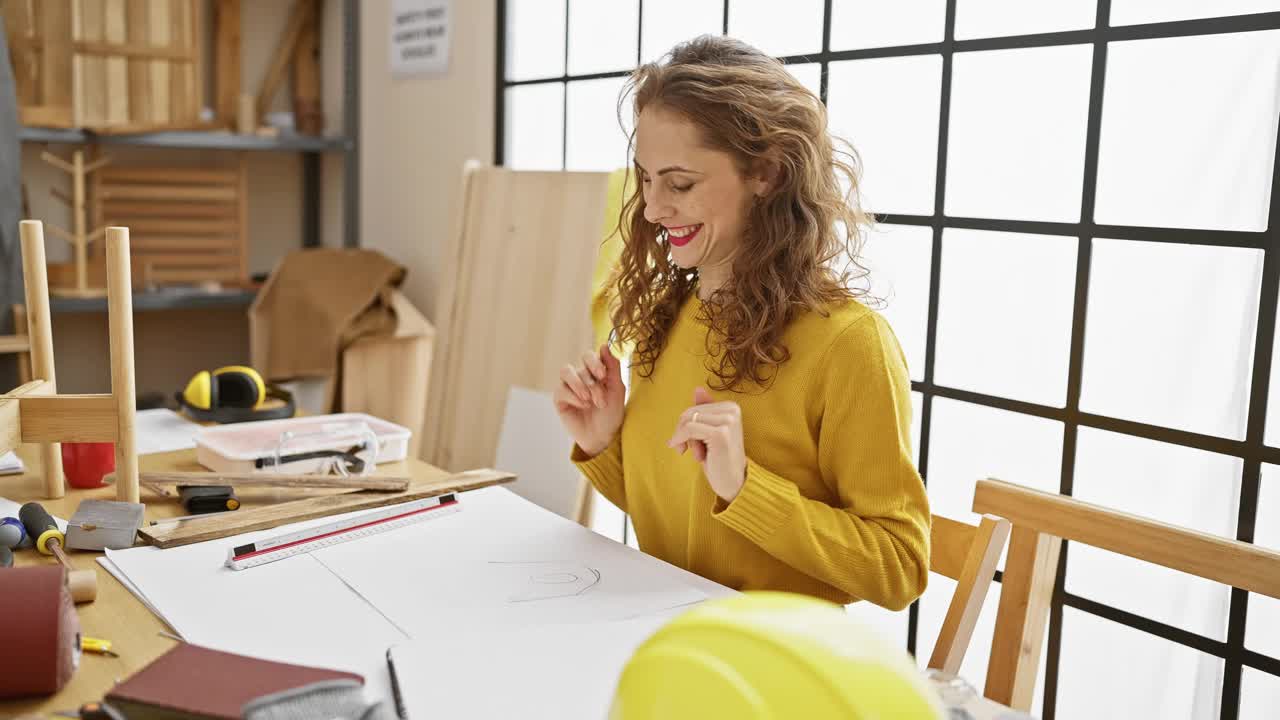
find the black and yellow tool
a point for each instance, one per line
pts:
(233, 394)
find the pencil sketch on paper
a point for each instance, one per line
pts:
(533, 581)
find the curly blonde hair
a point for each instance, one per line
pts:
(747, 104)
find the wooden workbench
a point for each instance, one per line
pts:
(117, 615)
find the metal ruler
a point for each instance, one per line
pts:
(322, 536)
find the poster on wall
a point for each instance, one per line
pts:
(419, 37)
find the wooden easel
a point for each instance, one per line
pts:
(80, 236)
(36, 413)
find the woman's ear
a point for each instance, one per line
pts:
(768, 173)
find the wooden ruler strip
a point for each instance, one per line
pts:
(262, 518)
(383, 483)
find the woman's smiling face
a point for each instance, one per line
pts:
(697, 195)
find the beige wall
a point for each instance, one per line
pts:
(415, 134)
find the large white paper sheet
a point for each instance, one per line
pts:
(504, 561)
(294, 610)
(162, 430)
(560, 672)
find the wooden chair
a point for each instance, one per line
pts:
(1041, 521)
(967, 554)
(36, 413)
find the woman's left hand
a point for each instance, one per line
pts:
(713, 430)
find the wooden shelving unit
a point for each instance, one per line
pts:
(311, 148)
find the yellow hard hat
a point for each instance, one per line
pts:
(769, 655)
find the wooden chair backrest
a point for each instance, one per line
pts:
(1041, 521)
(967, 554)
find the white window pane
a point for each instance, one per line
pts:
(1166, 162)
(535, 127)
(793, 30)
(1137, 12)
(917, 408)
(1262, 626)
(1108, 670)
(809, 75)
(897, 258)
(602, 35)
(1016, 141)
(970, 442)
(888, 110)
(889, 625)
(668, 22)
(990, 344)
(596, 140)
(1173, 484)
(1259, 695)
(1158, 348)
(867, 24)
(998, 18)
(535, 39)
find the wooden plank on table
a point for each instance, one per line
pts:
(226, 60)
(138, 26)
(69, 418)
(159, 31)
(383, 483)
(262, 518)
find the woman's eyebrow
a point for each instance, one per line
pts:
(670, 168)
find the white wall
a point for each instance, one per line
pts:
(415, 134)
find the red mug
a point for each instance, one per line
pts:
(85, 464)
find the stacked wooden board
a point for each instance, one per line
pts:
(107, 65)
(514, 304)
(187, 225)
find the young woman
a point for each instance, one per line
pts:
(766, 443)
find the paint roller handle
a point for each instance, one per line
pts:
(41, 527)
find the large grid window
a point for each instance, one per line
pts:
(1079, 241)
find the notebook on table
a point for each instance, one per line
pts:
(191, 681)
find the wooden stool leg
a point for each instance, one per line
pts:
(24, 358)
(123, 389)
(40, 328)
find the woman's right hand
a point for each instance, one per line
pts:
(590, 400)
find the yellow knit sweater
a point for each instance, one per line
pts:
(832, 506)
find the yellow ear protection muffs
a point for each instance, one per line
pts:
(233, 394)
